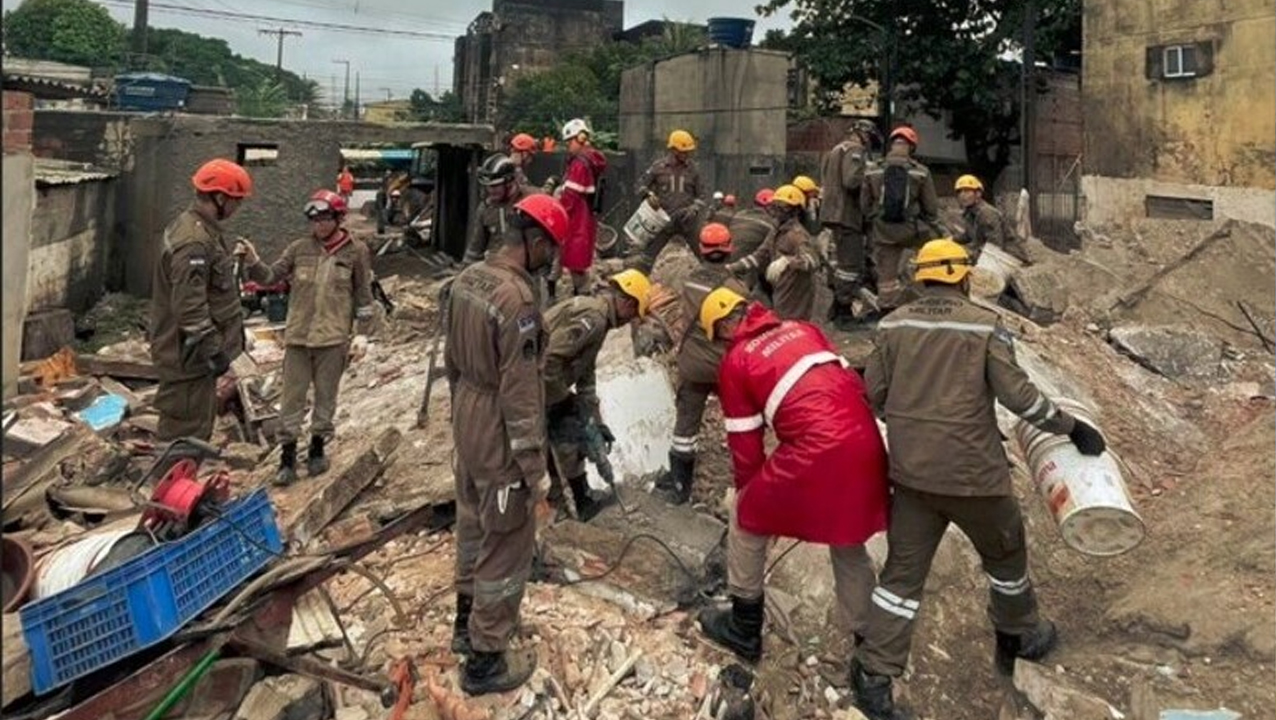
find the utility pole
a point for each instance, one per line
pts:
(139, 29)
(356, 96)
(388, 94)
(279, 56)
(436, 81)
(345, 96)
(1027, 107)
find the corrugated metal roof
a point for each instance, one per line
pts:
(49, 172)
(43, 87)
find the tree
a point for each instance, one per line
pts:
(446, 109)
(79, 32)
(266, 99)
(948, 56)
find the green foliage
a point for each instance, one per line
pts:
(947, 57)
(266, 99)
(79, 32)
(210, 61)
(446, 109)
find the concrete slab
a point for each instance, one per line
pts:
(636, 401)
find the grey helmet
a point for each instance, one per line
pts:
(496, 170)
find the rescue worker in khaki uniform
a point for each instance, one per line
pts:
(522, 150)
(698, 360)
(197, 324)
(788, 260)
(672, 184)
(811, 209)
(498, 176)
(493, 355)
(825, 481)
(330, 287)
(577, 329)
(899, 197)
(985, 224)
(842, 173)
(751, 227)
(940, 364)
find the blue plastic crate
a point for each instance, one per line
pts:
(144, 601)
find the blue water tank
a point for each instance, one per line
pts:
(150, 92)
(731, 32)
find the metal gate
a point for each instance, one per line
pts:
(1056, 200)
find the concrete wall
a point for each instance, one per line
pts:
(1115, 201)
(1215, 129)
(17, 187)
(156, 156)
(733, 101)
(71, 240)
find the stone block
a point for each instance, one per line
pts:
(1052, 695)
(284, 697)
(1176, 352)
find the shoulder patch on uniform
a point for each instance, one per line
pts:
(527, 323)
(1004, 335)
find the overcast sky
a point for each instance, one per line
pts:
(385, 62)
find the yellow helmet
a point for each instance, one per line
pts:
(717, 305)
(789, 195)
(942, 261)
(805, 184)
(636, 285)
(681, 141)
(968, 182)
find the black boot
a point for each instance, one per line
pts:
(287, 474)
(316, 462)
(873, 695)
(492, 672)
(674, 487)
(738, 629)
(587, 508)
(1032, 645)
(461, 625)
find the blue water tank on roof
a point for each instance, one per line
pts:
(150, 92)
(731, 32)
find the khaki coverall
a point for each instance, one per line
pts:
(327, 292)
(842, 174)
(939, 364)
(576, 330)
(492, 358)
(698, 356)
(676, 185)
(986, 224)
(493, 222)
(793, 296)
(894, 243)
(195, 313)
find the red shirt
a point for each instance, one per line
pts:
(345, 183)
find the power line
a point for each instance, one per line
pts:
(279, 58)
(311, 24)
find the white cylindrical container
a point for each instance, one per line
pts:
(1086, 495)
(645, 224)
(66, 567)
(992, 273)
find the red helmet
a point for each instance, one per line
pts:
(325, 201)
(715, 237)
(729, 200)
(763, 198)
(546, 212)
(223, 176)
(903, 131)
(523, 142)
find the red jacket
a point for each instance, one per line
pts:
(826, 482)
(579, 185)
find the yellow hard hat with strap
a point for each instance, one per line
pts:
(637, 286)
(682, 141)
(942, 260)
(968, 182)
(717, 305)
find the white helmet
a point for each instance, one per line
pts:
(574, 127)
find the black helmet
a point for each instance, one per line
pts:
(496, 170)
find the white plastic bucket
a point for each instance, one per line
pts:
(992, 273)
(67, 567)
(1086, 495)
(645, 224)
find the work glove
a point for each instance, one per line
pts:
(245, 249)
(777, 268)
(1088, 440)
(735, 268)
(219, 363)
(606, 433)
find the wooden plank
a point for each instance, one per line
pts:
(42, 469)
(127, 369)
(17, 660)
(325, 505)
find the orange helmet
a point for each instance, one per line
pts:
(763, 198)
(905, 132)
(715, 237)
(546, 212)
(223, 176)
(729, 201)
(523, 142)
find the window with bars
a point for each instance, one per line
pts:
(1180, 61)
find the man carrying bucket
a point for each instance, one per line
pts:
(674, 182)
(939, 365)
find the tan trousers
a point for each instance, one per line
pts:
(186, 408)
(853, 576)
(304, 367)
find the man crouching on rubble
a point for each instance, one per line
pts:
(330, 287)
(495, 339)
(825, 482)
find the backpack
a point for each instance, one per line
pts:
(895, 193)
